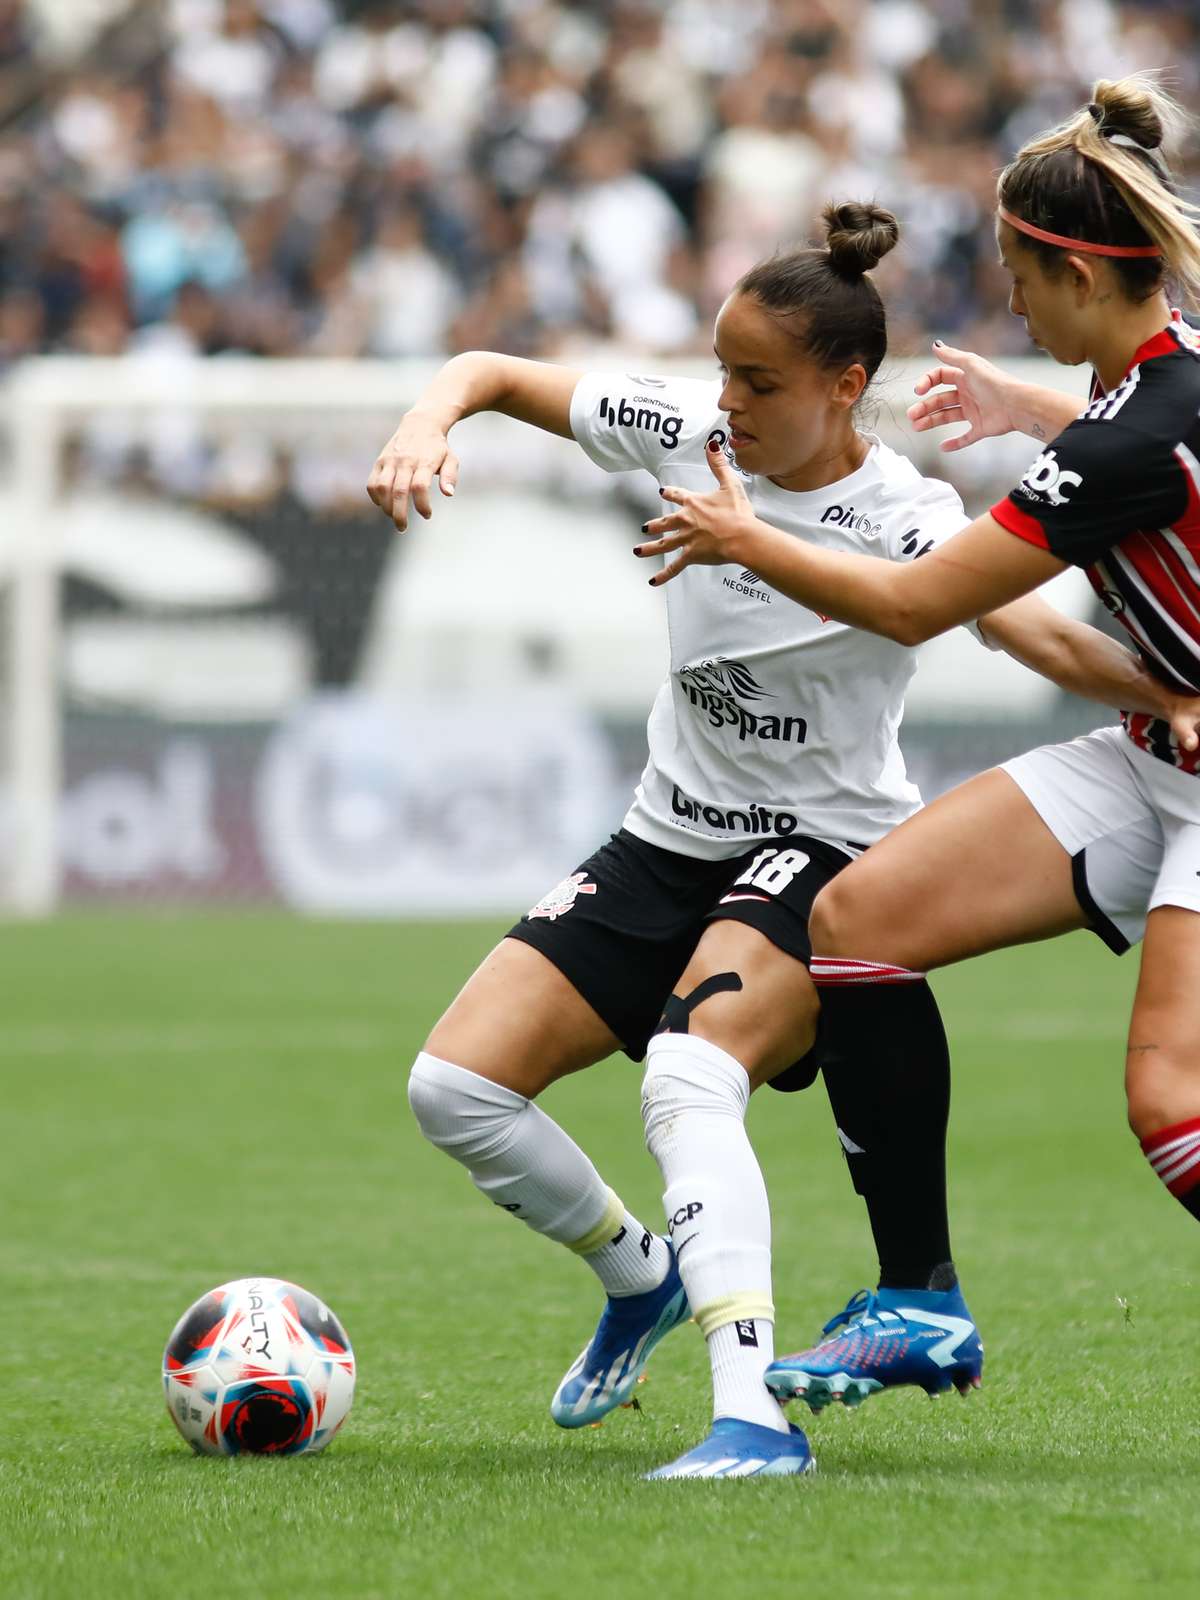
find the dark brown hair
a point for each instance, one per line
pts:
(831, 308)
(1102, 177)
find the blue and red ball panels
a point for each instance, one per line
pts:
(258, 1366)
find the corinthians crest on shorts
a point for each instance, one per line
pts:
(561, 898)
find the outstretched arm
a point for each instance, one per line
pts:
(1086, 662)
(966, 388)
(419, 450)
(979, 570)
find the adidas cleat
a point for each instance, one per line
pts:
(736, 1449)
(605, 1374)
(882, 1339)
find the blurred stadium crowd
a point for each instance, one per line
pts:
(371, 177)
(402, 179)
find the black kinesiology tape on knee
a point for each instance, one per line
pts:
(676, 1011)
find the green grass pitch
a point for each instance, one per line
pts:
(190, 1100)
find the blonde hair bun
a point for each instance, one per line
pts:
(1134, 107)
(1102, 177)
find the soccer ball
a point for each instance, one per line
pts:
(259, 1366)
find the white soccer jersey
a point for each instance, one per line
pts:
(773, 720)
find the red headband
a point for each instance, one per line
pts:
(1077, 244)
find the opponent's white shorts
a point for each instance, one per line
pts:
(1129, 822)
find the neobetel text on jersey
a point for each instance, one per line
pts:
(644, 411)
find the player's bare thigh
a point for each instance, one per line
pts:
(518, 1022)
(976, 870)
(1162, 1066)
(767, 1024)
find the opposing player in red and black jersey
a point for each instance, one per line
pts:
(1104, 831)
(1118, 493)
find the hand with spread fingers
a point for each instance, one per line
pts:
(965, 388)
(416, 453)
(711, 530)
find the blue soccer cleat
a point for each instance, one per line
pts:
(736, 1449)
(882, 1339)
(605, 1374)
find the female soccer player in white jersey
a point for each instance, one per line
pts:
(1104, 830)
(773, 762)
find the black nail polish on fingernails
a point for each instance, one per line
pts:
(645, 527)
(714, 445)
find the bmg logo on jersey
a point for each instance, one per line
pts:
(1048, 480)
(645, 412)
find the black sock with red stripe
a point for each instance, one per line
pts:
(886, 1066)
(1174, 1153)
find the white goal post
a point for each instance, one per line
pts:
(47, 397)
(45, 404)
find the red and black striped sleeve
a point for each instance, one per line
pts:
(1099, 482)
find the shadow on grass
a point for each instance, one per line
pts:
(981, 1460)
(420, 1458)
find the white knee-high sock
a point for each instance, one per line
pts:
(524, 1162)
(694, 1101)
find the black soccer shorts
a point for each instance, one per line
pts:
(623, 926)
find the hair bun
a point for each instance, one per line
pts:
(858, 236)
(1131, 108)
